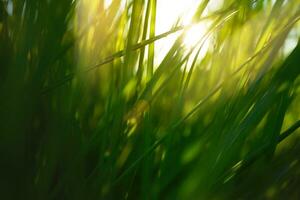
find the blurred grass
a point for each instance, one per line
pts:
(85, 113)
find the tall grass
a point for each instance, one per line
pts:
(86, 113)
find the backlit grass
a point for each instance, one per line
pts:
(138, 100)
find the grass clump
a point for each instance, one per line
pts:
(88, 111)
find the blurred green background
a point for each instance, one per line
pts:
(149, 99)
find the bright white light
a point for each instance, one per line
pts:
(107, 3)
(214, 5)
(195, 34)
(168, 13)
(291, 42)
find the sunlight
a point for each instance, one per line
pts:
(195, 34)
(170, 12)
(107, 3)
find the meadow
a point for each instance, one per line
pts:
(127, 99)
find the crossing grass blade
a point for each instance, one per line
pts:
(92, 108)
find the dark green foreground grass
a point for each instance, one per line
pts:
(86, 114)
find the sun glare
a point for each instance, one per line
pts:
(195, 34)
(107, 3)
(171, 11)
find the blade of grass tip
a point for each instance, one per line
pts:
(200, 10)
(142, 50)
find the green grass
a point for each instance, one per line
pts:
(86, 113)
